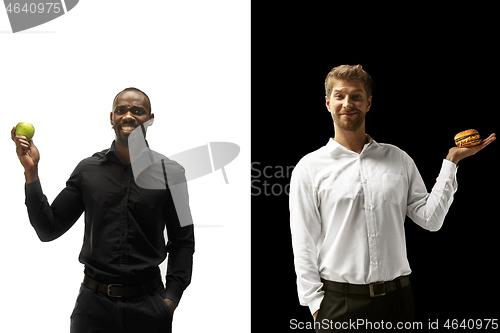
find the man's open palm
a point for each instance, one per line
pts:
(456, 154)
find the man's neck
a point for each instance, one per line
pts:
(122, 152)
(352, 140)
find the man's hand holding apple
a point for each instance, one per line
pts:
(28, 155)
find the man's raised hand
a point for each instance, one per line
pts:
(28, 155)
(456, 154)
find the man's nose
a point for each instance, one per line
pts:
(128, 116)
(347, 103)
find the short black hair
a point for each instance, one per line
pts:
(134, 89)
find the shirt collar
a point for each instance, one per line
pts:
(332, 144)
(370, 140)
(111, 149)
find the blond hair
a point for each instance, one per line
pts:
(348, 72)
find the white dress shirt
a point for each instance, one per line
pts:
(347, 214)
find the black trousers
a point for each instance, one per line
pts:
(395, 311)
(96, 312)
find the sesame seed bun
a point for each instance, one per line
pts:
(466, 139)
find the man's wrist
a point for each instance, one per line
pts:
(171, 304)
(452, 158)
(31, 175)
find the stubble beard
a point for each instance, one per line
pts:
(349, 124)
(123, 141)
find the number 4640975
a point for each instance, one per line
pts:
(34, 8)
(471, 324)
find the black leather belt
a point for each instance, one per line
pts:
(118, 290)
(373, 289)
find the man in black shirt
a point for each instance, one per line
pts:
(124, 238)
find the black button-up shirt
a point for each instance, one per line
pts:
(124, 224)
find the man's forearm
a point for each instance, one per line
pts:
(68, 204)
(179, 272)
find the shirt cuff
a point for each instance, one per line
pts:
(315, 304)
(173, 291)
(448, 170)
(33, 189)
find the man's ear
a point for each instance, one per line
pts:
(111, 118)
(369, 104)
(151, 119)
(327, 104)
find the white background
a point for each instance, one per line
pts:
(193, 60)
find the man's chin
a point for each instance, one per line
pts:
(349, 124)
(123, 141)
(351, 127)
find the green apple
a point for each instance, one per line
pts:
(25, 129)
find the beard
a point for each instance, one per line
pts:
(119, 137)
(349, 123)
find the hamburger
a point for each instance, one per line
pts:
(466, 139)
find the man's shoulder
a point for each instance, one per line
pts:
(96, 157)
(312, 156)
(311, 161)
(390, 148)
(99, 154)
(170, 165)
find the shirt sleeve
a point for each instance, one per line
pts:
(305, 225)
(180, 233)
(51, 221)
(428, 210)
(180, 260)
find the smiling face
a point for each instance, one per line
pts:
(348, 105)
(130, 109)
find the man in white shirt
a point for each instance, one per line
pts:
(348, 202)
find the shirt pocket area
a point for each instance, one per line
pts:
(393, 187)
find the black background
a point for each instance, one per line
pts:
(435, 74)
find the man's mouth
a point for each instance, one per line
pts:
(127, 129)
(348, 114)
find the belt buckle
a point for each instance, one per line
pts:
(372, 293)
(109, 289)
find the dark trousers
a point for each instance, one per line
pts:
(339, 312)
(96, 312)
